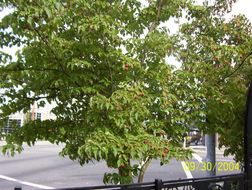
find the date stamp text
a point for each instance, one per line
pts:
(208, 166)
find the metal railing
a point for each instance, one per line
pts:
(225, 182)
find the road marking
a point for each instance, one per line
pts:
(197, 157)
(25, 183)
(186, 170)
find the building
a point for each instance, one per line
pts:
(36, 113)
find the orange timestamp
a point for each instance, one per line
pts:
(208, 166)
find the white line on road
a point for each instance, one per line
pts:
(187, 171)
(197, 157)
(25, 183)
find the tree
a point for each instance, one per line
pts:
(103, 64)
(215, 54)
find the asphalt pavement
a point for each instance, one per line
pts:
(41, 167)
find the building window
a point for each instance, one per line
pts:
(8, 127)
(12, 122)
(38, 116)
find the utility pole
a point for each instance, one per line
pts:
(210, 160)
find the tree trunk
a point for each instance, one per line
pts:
(143, 170)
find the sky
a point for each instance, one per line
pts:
(243, 7)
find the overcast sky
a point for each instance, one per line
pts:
(243, 7)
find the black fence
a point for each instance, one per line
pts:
(225, 182)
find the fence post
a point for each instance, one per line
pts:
(158, 184)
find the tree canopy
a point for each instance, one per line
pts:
(104, 64)
(215, 51)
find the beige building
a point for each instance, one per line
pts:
(36, 113)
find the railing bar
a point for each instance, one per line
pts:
(170, 184)
(198, 182)
(113, 187)
(89, 188)
(103, 188)
(181, 184)
(216, 178)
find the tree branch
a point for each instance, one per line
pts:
(54, 54)
(237, 68)
(153, 25)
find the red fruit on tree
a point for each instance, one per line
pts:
(126, 67)
(164, 154)
(166, 150)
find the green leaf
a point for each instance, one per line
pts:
(48, 12)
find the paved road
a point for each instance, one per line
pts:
(41, 167)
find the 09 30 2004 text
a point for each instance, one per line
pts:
(208, 166)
